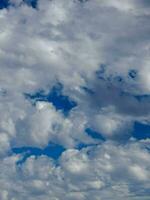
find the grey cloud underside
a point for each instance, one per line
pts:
(99, 51)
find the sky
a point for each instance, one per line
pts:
(74, 100)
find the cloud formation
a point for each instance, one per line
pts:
(99, 52)
(102, 172)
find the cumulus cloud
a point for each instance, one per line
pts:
(107, 171)
(99, 52)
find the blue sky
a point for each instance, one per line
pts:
(74, 100)
(7, 3)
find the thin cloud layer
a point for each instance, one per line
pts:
(98, 51)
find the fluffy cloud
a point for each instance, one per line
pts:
(99, 52)
(107, 171)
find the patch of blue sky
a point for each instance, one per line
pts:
(56, 97)
(53, 151)
(141, 131)
(142, 97)
(132, 73)
(88, 90)
(32, 3)
(7, 3)
(95, 135)
(4, 4)
(82, 1)
(81, 146)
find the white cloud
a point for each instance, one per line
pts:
(110, 124)
(68, 41)
(102, 172)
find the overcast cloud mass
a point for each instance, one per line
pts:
(75, 75)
